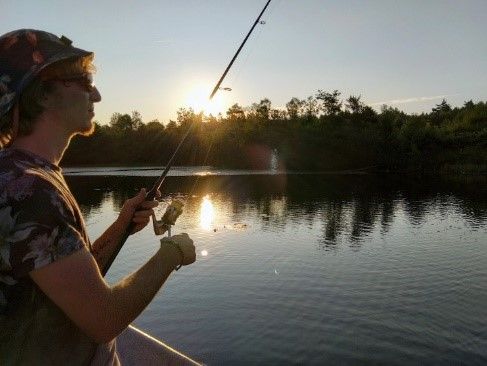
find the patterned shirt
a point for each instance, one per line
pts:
(40, 223)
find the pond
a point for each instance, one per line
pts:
(311, 268)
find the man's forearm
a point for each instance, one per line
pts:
(74, 283)
(104, 246)
(130, 296)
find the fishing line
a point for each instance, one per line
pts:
(234, 79)
(238, 72)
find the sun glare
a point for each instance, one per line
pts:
(207, 213)
(198, 99)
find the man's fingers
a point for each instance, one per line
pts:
(142, 193)
(143, 213)
(137, 200)
(149, 204)
(141, 220)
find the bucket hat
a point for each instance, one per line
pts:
(23, 54)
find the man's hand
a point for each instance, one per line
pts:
(186, 246)
(138, 211)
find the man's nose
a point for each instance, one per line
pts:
(95, 95)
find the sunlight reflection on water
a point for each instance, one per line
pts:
(207, 215)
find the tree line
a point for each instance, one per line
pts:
(321, 132)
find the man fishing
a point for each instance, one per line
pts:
(55, 306)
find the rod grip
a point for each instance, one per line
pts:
(128, 230)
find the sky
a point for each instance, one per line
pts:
(156, 56)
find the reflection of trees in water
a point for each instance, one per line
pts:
(274, 212)
(354, 220)
(348, 208)
(416, 209)
(365, 214)
(89, 198)
(332, 218)
(474, 212)
(387, 214)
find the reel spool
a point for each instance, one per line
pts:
(169, 218)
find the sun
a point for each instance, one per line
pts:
(198, 99)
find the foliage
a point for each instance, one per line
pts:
(331, 103)
(315, 133)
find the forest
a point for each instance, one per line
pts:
(320, 133)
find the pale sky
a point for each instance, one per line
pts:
(156, 56)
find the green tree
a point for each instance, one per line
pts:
(262, 109)
(136, 120)
(185, 116)
(443, 107)
(294, 107)
(126, 123)
(121, 122)
(354, 104)
(310, 107)
(330, 104)
(278, 114)
(171, 125)
(154, 125)
(235, 112)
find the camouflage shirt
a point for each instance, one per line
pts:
(40, 222)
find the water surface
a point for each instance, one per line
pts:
(313, 269)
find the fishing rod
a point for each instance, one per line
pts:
(151, 195)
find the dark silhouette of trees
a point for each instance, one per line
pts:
(309, 134)
(262, 109)
(310, 108)
(443, 107)
(354, 104)
(330, 102)
(235, 112)
(125, 122)
(294, 107)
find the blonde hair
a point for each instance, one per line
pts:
(30, 101)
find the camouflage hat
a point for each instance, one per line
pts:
(23, 54)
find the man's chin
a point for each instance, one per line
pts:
(88, 132)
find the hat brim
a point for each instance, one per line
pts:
(66, 54)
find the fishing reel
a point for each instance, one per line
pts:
(169, 218)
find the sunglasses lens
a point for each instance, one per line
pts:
(85, 80)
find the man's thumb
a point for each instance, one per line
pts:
(142, 194)
(139, 198)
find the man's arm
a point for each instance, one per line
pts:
(76, 285)
(135, 210)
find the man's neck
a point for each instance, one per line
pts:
(44, 143)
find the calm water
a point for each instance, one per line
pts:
(313, 269)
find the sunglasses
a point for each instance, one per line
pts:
(85, 80)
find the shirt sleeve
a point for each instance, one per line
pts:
(43, 230)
